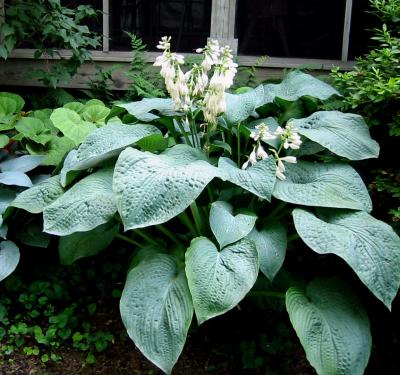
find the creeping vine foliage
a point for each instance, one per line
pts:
(47, 26)
(209, 188)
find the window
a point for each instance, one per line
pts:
(321, 33)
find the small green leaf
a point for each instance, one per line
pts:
(345, 134)
(218, 281)
(56, 150)
(369, 246)
(95, 113)
(4, 140)
(228, 228)
(156, 309)
(18, 100)
(259, 179)
(271, 243)
(84, 244)
(323, 185)
(332, 326)
(71, 124)
(89, 203)
(9, 258)
(34, 129)
(35, 199)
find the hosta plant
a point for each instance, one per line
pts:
(210, 188)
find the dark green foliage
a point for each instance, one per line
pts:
(47, 26)
(373, 89)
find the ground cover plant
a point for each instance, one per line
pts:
(209, 188)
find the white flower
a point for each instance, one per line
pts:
(261, 153)
(262, 132)
(289, 159)
(280, 174)
(290, 138)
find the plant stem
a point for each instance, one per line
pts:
(127, 239)
(185, 220)
(210, 194)
(238, 144)
(168, 233)
(293, 237)
(197, 217)
(183, 131)
(266, 293)
(142, 234)
(277, 209)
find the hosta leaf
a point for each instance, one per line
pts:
(15, 178)
(85, 206)
(35, 199)
(84, 244)
(323, 185)
(142, 109)
(6, 197)
(218, 281)
(369, 246)
(9, 258)
(107, 142)
(18, 100)
(74, 106)
(7, 106)
(154, 142)
(21, 164)
(228, 228)
(71, 124)
(259, 179)
(156, 308)
(271, 243)
(4, 140)
(297, 84)
(33, 235)
(332, 326)
(345, 134)
(240, 107)
(152, 189)
(3, 229)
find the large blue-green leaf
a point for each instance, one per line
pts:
(369, 246)
(218, 281)
(142, 109)
(9, 258)
(156, 308)
(323, 185)
(239, 107)
(71, 124)
(271, 243)
(89, 203)
(332, 326)
(106, 142)
(295, 85)
(151, 189)
(345, 134)
(6, 197)
(259, 179)
(22, 164)
(229, 228)
(35, 199)
(84, 244)
(15, 179)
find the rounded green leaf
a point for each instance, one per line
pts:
(228, 228)
(345, 134)
(35, 199)
(71, 124)
(259, 179)
(152, 189)
(84, 244)
(156, 309)
(4, 140)
(9, 258)
(271, 243)
(34, 129)
(218, 281)
(88, 203)
(369, 246)
(332, 326)
(323, 185)
(95, 113)
(18, 100)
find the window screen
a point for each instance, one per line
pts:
(187, 21)
(290, 28)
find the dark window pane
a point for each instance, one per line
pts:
(291, 28)
(362, 22)
(187, 21)
(95, 24)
